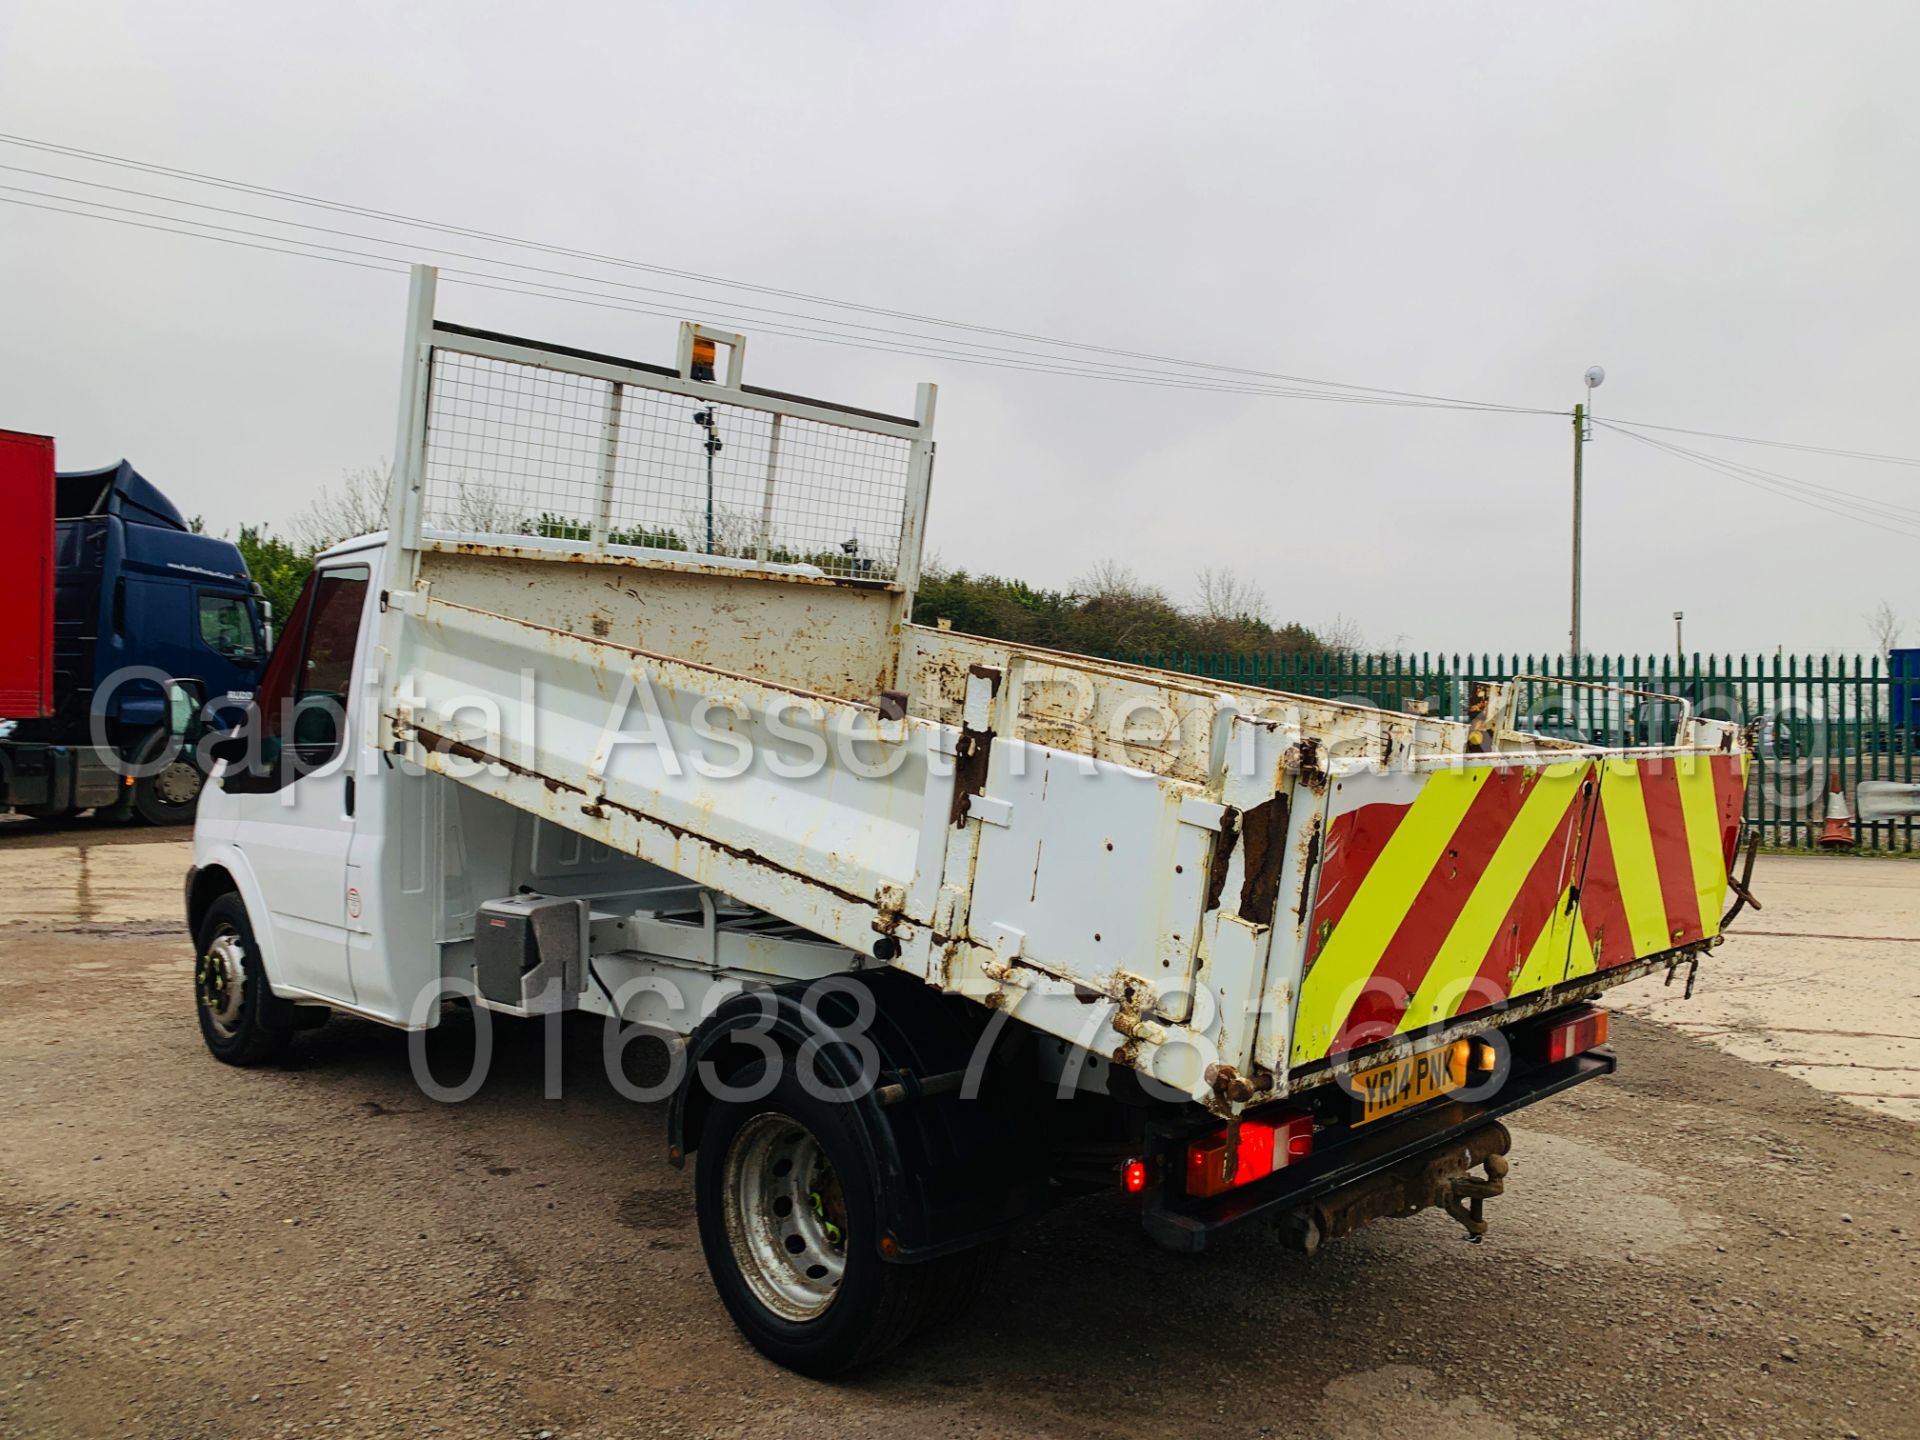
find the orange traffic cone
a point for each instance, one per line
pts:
(1837, 833)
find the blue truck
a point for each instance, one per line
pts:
(123, 632)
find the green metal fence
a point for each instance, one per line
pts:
(1815, 717)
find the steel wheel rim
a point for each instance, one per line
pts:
(177, 784)
(220, 982)
(785, 1216)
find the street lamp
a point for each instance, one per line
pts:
(1679, 650)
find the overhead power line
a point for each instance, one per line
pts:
(548, 282)
(1090, 367)
(1850, 498)
(1881, 515)
(547, 289)
(1216, 369)
(171, 230)
(494, 237)
(1774, 444)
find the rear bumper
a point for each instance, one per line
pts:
(1179, 1222)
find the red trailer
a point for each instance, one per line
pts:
(26, 576)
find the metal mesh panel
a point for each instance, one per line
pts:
(518, 449)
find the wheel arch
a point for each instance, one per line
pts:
(205, 884)
(951, 1172)
(225, 872)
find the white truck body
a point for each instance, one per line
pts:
(641, 640)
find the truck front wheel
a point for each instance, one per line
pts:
(239, 1018)
(788, 1212)
(170, 795)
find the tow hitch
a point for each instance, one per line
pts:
(1442, 1178)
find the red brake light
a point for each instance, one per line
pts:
(1577, 1034)
(1268, 1143)
(1135, 1176)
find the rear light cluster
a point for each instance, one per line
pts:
(1577, 1034)
(1268, 1142)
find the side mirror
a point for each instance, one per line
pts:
(186, 719)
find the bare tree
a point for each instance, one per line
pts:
(1885, 625)
(1343, 636)
(1112, 580)
(357, 507)
(1225, 596)
(489, 510)
(1119, 613)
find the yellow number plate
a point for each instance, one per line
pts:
(1396, 1085)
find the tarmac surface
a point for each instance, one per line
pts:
(1723, 1239)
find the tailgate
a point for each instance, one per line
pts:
(1445, 891)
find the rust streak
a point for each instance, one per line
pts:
(970, 760)
(972, 755)
(1222, 855)
(1307, 761)
(750, 857)
(679, 661)
(596, 809)
(1264, 832)
(445, 745)
(1307, 864)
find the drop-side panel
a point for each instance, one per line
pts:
(810, 808)
(785, 629)
(1090, 871)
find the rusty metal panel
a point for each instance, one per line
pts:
(635, 750)
(1090, 871)
(808, 634)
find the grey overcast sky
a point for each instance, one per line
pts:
(1716, 201)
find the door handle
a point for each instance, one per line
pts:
(349, 797)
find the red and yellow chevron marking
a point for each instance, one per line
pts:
(1465, 894)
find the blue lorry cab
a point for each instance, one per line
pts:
(135, 589)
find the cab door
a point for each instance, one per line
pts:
(296, 829)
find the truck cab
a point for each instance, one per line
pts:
(292, 798)
(147, 618)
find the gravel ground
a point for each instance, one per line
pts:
(1702, 1245)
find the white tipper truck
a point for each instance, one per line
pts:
(625, 714)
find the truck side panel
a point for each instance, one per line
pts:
(26, 576)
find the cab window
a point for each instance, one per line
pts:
(226, 627)
(325, 668)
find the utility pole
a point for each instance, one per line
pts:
(1582, 431)
(1579, 449)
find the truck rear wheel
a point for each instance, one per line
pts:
(239, 1017)
(788, 1211)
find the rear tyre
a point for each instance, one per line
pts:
(241, 1021)
(788, 1211)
